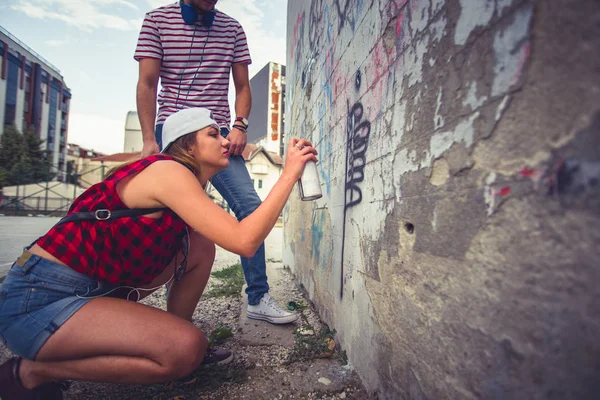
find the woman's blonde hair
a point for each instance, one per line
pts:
(179, 150)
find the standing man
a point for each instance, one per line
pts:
(192, 47)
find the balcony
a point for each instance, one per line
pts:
(65, 108)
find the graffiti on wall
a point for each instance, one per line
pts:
(358, 130)
(348, 15)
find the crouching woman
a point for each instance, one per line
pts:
(65, 305)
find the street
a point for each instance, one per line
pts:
(18, 232)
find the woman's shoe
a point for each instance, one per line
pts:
(11, 387)
(212, 356)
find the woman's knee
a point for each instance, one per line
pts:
(185, 353)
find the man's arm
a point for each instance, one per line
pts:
(243, 103)
(146, 102)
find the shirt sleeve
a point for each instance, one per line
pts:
(241, 52)
(148, 44)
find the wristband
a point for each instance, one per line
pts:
(243, 120)
(240, 127)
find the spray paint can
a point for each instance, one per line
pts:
(309, 184)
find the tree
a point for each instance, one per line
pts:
(3, 177)
(11, 147)
(41, 165)
(22, 158)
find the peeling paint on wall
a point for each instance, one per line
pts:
(512, 48)
(438, 120)
(472, 100)
(463, 133)
(473, 14)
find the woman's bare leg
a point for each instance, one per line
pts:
(185, 293)
(113, 340)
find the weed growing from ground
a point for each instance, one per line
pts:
(231, 280)
(311, 346)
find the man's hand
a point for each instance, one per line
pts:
(237, 141)
(149, 148)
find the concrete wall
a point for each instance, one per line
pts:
(51, 196)
(455, 249)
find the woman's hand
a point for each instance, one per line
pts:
(298, 153)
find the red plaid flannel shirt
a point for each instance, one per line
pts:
(125, 251)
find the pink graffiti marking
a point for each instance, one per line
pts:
(504, 191)
(527, 172)
(535, 175)
(399, 22)
(299, 21)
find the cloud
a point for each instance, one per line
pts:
(86, 15)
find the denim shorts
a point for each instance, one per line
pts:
(37, 297)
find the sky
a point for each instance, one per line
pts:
(92, 43)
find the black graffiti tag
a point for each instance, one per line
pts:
(315, 24)
(357, 136)
(357, 133)
(345, 14)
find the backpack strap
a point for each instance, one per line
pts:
(107, 215)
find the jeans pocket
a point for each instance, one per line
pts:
(43, 292)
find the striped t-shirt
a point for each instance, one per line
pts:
(192, 75)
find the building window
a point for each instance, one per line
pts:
(12, 83)
(52, 125)
(27, 92)
(260, 183)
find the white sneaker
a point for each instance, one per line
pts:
(268, 310)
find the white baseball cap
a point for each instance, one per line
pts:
(185, 121)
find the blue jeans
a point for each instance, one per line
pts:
(236, 187)
(37, 297)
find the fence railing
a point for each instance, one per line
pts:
(53, 198)
(44, 205)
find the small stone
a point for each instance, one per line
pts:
(306, 332)
(343, 395)
(324, 381)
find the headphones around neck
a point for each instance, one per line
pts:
(190, 17)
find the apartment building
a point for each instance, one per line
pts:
(34, 95)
